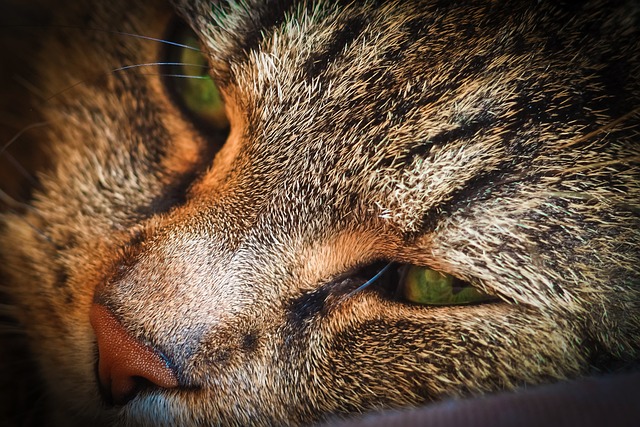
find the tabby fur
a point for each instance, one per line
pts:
(497, 141)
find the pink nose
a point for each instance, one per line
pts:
(125, 364)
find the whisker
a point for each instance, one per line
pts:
(102, 30)
(29, 86)
(129, 67)
(370, 281)
(20, 133)
(184, 76)
(21, 170)
(10, 201)
(15, 206)
(150, 64)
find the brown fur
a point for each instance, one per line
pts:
(495, 141)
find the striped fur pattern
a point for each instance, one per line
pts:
(497, 141)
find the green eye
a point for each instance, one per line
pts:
(191, 83)
(426, 286)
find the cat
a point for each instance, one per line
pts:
(284, 213)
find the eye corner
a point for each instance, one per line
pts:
(412, 284)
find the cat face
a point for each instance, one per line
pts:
(171, 272)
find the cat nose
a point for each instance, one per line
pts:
(126, 365)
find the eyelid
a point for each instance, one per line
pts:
(189, 84)
(426, 286)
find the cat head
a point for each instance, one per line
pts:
(168, 273)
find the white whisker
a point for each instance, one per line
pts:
(101, 30)
(20, 133)
(21, 170)
(150, 64)
(129, 67)
(372, 280)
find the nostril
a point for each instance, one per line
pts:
(126, 365)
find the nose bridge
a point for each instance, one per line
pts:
(196, 268)
(183, 284)
(204, 276)
(180, 264)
